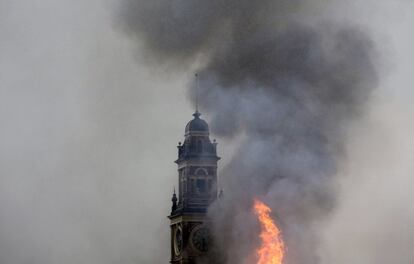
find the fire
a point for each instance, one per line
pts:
(273, 249)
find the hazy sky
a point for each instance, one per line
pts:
(89, 131)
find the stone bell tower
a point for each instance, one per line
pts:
(197, 189)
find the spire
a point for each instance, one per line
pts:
(196, 99)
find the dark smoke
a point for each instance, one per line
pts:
(286, 82)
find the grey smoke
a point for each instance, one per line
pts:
(88, 138)
(286, 81)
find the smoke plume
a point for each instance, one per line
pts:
(284, 80)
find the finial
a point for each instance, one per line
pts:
(174, 202)
(221, 193)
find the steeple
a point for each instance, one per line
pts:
(197, 189)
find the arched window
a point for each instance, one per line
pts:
(201, 172)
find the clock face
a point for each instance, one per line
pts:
(201, 238)
(178, 241)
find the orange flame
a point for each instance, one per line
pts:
(272, 250)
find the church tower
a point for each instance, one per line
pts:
(197, 189)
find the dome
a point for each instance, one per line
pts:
(196, 125)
